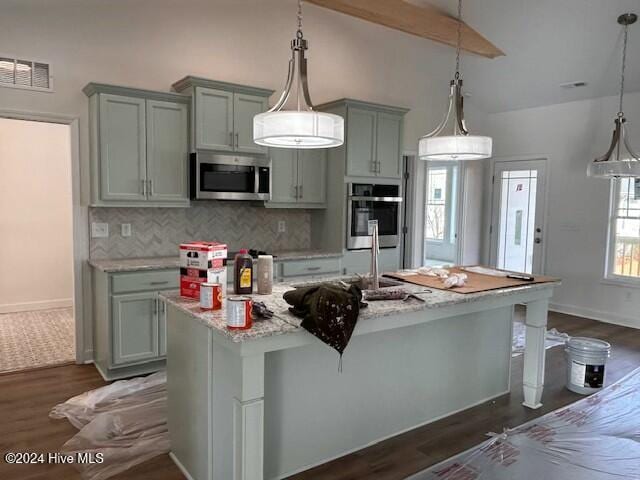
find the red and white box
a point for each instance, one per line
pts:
(203, 255)
(190, 284)
(202, 262)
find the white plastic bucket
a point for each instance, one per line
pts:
(586, 360)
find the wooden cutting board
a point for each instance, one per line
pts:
(475, 283)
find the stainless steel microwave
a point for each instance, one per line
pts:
(381, 203)
(229, 177)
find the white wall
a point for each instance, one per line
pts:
(153, 43)
(35, 216)
(571, 135)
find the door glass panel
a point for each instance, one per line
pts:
(440, 236)
(518, 190)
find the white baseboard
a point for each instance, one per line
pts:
(595, 315)
(32, 306)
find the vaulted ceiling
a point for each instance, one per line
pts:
(547, 43)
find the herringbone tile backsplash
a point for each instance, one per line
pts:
(159, 231)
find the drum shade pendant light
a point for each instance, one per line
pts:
(461, 145)
(303, 127)
(615, 163)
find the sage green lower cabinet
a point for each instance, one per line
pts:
(135, 327)
(130, 330)
(299, 178)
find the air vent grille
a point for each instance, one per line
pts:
(28, 74)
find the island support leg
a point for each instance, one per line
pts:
(248, 421)
(534, 352)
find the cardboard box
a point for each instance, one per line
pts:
(190, 284)
(203, 255)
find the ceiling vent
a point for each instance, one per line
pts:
(574, 84)
(29, 74)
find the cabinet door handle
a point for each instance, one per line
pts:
(164, 282)
(313, 269)
(144, 187)
(151, 188)
(237, 140)
(295, 192)
(231, 139)
(155, 306)
(300, 190)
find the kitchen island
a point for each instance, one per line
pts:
(269, 402)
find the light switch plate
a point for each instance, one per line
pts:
(125, 229)
(99, 230)
(282, 226)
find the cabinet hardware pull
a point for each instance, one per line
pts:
(295, 192)
(301, 191)
(151, 188)
(237, 140)
(159, 283)
(155, 306)
(144, 187)
(313, 269)
(231, 139)
(163, 306)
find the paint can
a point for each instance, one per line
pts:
(586, 359)
(211, 296)
(239, 313)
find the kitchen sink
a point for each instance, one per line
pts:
(363, 282)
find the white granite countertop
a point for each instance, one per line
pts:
(157, 263)
(285, 322)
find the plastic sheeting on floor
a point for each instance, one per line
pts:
(597, 438)
(125, 421)
(553, 338)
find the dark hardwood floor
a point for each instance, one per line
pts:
(26, 398)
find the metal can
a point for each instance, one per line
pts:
(211, 296)
(239, 313)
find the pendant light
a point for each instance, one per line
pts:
(461, 145)
(617, 165)
(303, 127)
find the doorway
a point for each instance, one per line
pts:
(518, 215)
(37, 327)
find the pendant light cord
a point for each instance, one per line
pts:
(624, 62)
(299, 32)
(459, 39)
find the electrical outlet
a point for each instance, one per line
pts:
(282, 226)
(99, 230)
(125, 229)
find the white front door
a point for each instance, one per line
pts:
(517, 226)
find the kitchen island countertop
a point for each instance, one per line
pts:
(284, 321)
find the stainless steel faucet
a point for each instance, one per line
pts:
(375, 250)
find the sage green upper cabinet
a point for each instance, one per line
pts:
(284, 175)
(214, 119)
(245, 107)
(167, 147)
(123, 158)
(223, 114)
(139, 143)
(361, 142)
(388, 144)
(299, 178)
(373, 137)
(312, 176)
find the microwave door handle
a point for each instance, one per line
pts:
(256, 180)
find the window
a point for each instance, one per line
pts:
(624, 229)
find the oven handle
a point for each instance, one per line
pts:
(375, 199)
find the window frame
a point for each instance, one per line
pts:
(609, 276)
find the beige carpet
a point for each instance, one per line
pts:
(36, 339)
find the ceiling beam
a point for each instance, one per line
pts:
(423, 21)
